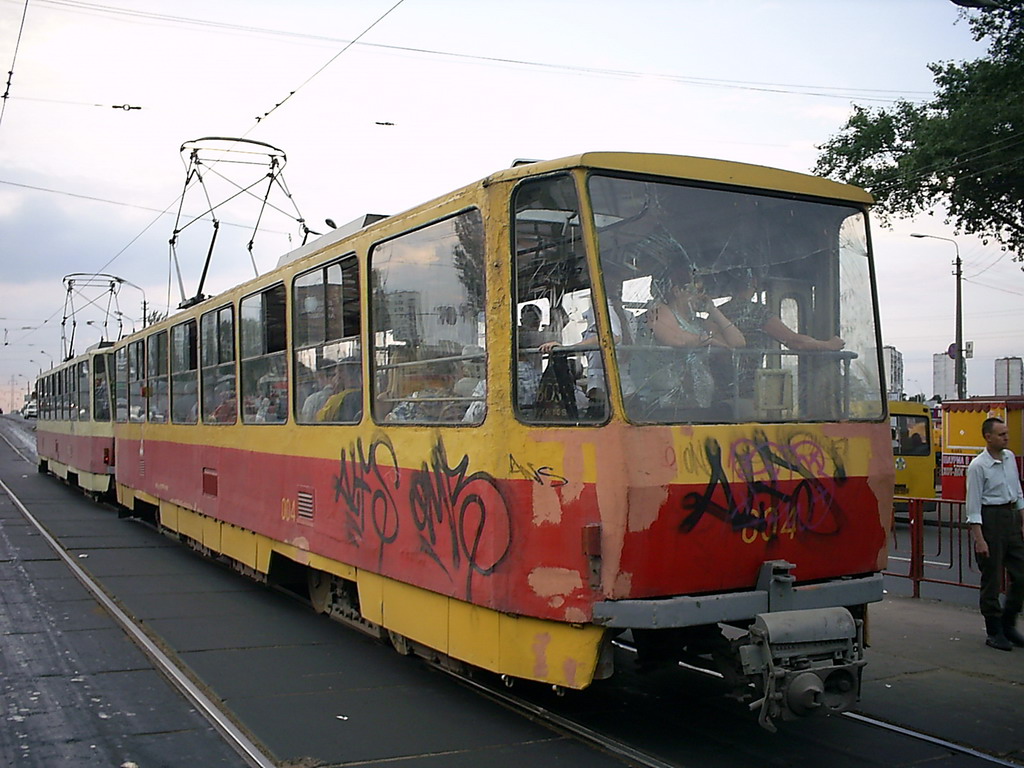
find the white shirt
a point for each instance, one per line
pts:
(992, 481)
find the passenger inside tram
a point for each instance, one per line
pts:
(345, 402)
(747, 310)
(681, 328)
(763, 330)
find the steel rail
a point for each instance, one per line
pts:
(15, 448)
(563, 724)
(241, 743)
(952, 746)
(859, 717)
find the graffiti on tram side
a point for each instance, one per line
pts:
(541, 475)
(366, 484)
(461, 521)
(779, 490)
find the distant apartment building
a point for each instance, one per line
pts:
(1009, 377)
(944, 376)
(893, 361)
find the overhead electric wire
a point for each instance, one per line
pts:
(258, 120)
(306, 82)
(14, 59)
(843, 92)
(165, 211)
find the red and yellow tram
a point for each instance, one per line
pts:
(458, 424)
(74, 432)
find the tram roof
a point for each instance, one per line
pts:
(696, 169)
(670, 166)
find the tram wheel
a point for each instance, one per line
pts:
(400, 643)
(319, 590)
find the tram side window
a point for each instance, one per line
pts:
(121, 384)
(137, 381)
(100, 389)
(55, 398)
(217, 347)
(428, 324)
(184, 374)
(84, 399)
(328, 354)
(156, 379)
(554, 306)
(264, 345)
(70, 397)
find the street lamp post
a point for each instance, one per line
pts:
(958, 369)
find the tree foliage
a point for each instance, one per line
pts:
(962, 151)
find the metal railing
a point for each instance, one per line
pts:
(929, 543)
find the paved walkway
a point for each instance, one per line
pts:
(928, 660)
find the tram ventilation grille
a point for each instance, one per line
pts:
(304, 505)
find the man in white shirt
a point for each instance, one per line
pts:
(994, 504)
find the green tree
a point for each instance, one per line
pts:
(962, 152)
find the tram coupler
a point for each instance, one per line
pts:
(803, 662)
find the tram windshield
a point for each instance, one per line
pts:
(724, 305)
(737, 306)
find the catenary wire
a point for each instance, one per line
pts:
(14, 59)
(844, 92)
(258, 120)
(309, 79)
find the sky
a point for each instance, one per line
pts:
(380, 105)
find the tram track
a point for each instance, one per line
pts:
(164, 663)
(874, 722)
(633, 755)
(641, 758)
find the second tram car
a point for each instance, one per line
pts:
(75, 433)
(464, 427)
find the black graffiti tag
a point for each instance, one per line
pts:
(365, 484)
(463, 520)
(760, 502)
(541, 475)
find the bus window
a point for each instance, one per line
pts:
(554, 309)
(328, 353)
(428, 324)
(217, 348)
(910, 435)
(184, 374)
(263, 350)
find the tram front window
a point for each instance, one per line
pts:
(560, 371)
(739, 306)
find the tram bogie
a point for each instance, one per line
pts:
(473, 428)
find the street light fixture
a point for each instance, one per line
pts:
(958, 370)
